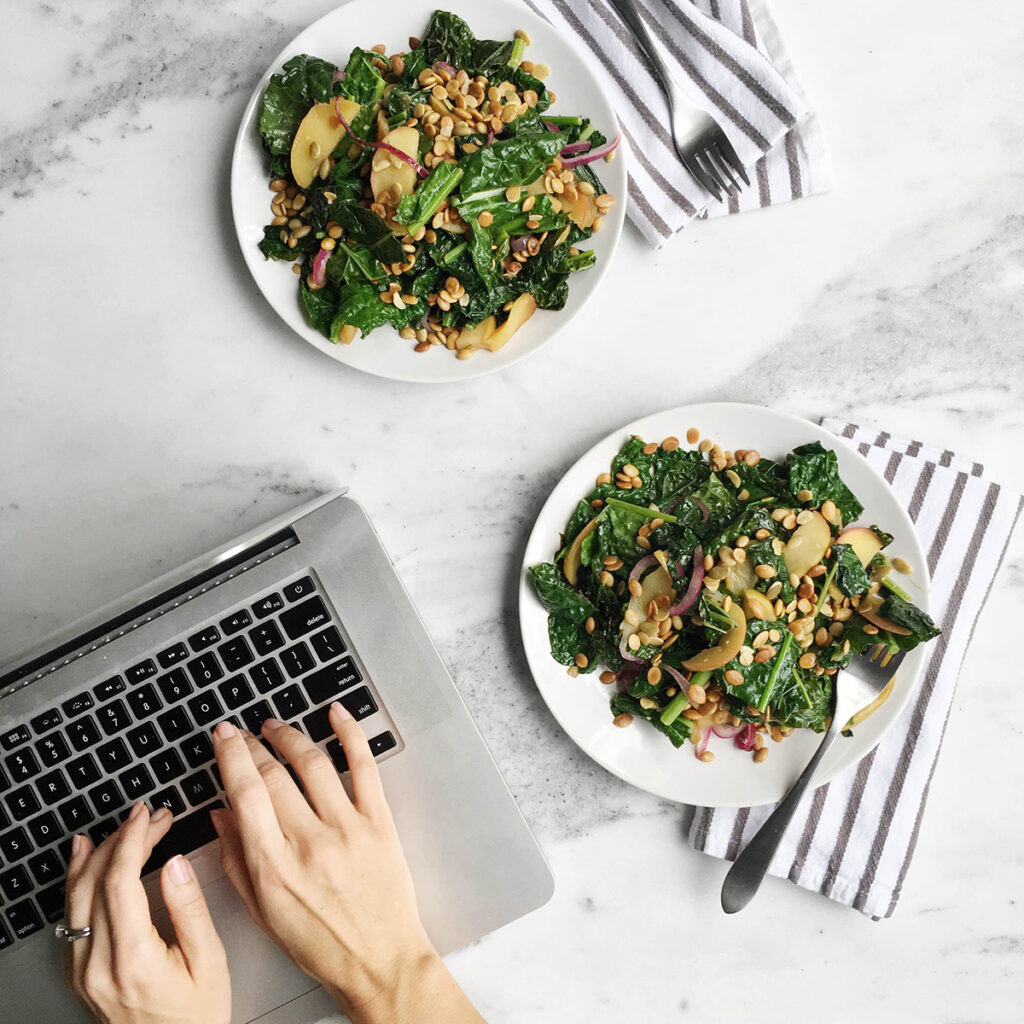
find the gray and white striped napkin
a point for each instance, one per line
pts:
(853, 838)
(729, 58)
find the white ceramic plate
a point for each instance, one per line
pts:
(361, 23)
(639, 754)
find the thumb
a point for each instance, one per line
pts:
(197, 937)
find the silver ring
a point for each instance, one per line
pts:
(62, 931)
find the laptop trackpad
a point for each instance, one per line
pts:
(262, 977)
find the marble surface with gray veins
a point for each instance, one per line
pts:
(151, 405)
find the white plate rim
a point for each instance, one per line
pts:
(696, 783)
(431, 367)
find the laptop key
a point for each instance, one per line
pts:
(175, 723)
(45, 829)
(46, 721)
(327, 644)
(236, 654)
(198, 749)
(5, 818)
(299, 589)
(144, 701)
(83, 733)
(268, 605)
(51, 902)
(144, 740)
(75, 814)
(114, 717)
(46, 868)
(205, 669)
(53, 787)
(304, 618)
(22, 765)
(199, 788)
(297, 660)
(185, 836)
(6, 938)
(77, 705)
(172, 656)
(236, 692)
(359, 703)
(22, 803)
(15, 737)
(174, 686)
(169, 798)
(136, 782)
(266, 638)
(141, 672)
(204, 638)
(102, 830)
(83, 771)
(382, 743)
(206, 708)
(290, 703)
(23, 918)
(326, 683)
(15, 883)
(267, 675)
(5, 783)
(53, 749)
(236, 622)
(317, 725)
(113, 756)
(111, 688)
(106, 797)
(167, 766)
(14, 845)
(255, 716)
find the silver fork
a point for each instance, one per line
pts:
(701, 144)
(856, 687)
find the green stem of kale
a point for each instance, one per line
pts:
(455, 252)
(650, 513)
(896, 589)
(677, 704)
(516, 56)
(563, 121)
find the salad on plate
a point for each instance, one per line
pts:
(720, 592)
(431, 189)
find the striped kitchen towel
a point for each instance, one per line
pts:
(853, 838)
(727, 55)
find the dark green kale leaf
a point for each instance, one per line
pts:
(367, 228)
(677, 472)
(801, 699)
(766, 479)
(514, 161)
(274, 249)
(816, 469)
(750, 520)
(360, 306)
(850, 576)
(546, 278)
(319, 306)
(568, 611)
(904, 613)
(416, 209)
(363, 83)
(523, 81)
(580, 517)
(352, 264)
(615, 536)
(678, 732)
(303, 82)
(761, 552)
(450, 39)
(720, 503)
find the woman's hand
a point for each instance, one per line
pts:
(124, 972)
(327, 879)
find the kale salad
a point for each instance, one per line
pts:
(720, 592)
(431, 189)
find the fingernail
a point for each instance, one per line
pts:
(225, 730)
(270, 724)
(135, 811)
(76, 845)
(159, 814)
(341, 711)
(179, 870)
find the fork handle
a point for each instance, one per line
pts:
(750, 867)
(630, 14)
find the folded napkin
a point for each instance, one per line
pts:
(728, 57)
(853, 838)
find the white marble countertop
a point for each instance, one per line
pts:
(151, 405)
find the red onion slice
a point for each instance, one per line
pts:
(319, 269)
(702, 745)
(681, 681)
(443, 65)
(518, 243)
(687, 601)
(642, 566)
(490, 136)
(627, 654)
(727, 732)
(576, 147)
(745, 738)
(594, 154)
(552, 127)
(418, 168)
(339, 75)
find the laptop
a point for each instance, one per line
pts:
(283, 621)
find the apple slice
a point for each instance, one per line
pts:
(727, 648)
(317, 138)
(883, 623)
(388, 170)
(740, 577)
(474, 337)
(865, 543)
(757, 606)
(571, 562)
(581, 212)
(654, 584)
(522, 309)
(808, 545)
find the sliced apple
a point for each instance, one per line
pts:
(571, 562)
(474, 337)
(883, 623)
(522, 309)
(388, 171)
(726, 649)
(583, 211)
(757, 606)
(654, 584)
(317, 138)
(740, 577)
(865, 543)
(808, 544)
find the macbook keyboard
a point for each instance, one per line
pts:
(144, 734)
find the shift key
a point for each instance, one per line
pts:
(326, 684)
(305, 617)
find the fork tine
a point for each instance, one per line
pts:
(723, 166)
(700, 176)
(726, 151)
(708, 165)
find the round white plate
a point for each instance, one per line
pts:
(640, 754)
(360, 23)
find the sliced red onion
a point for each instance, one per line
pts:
(319, 270)
(628, 673)
(627, 654)
(490, 137)
(418, 168)
(518, 243)
(702, 745)
(594, 154)
(727, 732)
(576, 147)
(442, 65)
(644, 564)
(339, 75)
(704, 513)
(745, 738)
(687, 601)
(681, 681)
(552, 127)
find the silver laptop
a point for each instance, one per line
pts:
(283, 621)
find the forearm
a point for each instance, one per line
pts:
(418, 991)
